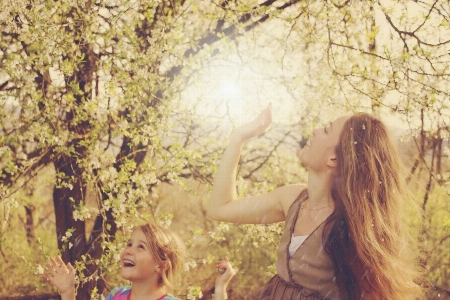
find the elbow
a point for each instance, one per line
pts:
(212, 213)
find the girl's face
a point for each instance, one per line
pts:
(320, 150)
(136, 260)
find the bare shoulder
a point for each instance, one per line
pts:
(287, 194)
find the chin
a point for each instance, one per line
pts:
(124, 275)
(303, 162)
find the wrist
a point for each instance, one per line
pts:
(220, 287)
(220, 296)
(68, 295)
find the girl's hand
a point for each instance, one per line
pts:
(226, 273)
(61, 276)
(257, 126)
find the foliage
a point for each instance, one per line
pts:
(107, 102)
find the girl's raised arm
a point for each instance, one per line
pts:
(224, 205)
(62, 277)
(223, 279)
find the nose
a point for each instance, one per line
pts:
(129, 250)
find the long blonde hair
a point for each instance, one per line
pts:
(167, 249)
(369, 242)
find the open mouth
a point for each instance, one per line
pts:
(128, 263)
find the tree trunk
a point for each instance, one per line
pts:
(65, 199)
(29, 225)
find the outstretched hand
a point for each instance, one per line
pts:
(257, 126)
(226, 273)
(61, 276)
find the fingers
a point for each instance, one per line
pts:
(265, 116)
(70, 268)
(256, 126)
(50, 267)
(269, 110)
(60, 275)
(224, 266)
(226, 272)
(60, 261)
(57, 267)
(58, 264)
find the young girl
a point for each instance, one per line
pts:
(149, 261)
(345, 235)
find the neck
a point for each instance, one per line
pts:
(319, 189)
(146, 290)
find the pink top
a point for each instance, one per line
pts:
(124, 293)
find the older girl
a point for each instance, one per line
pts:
(344, 234)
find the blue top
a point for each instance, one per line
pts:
(124, 293)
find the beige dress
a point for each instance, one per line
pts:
(309, 273)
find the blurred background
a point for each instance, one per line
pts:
(116, 113)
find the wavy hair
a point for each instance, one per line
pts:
(369, 242)
(167, 249)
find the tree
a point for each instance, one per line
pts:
(91, 88)
(86, 87)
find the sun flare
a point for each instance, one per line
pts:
(236, 90)
(230, 89)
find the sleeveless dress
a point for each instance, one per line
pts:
(309, 273)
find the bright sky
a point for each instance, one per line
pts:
(238, 91)
(238, 87)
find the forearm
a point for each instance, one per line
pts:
(224, 185)
(220, 292)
